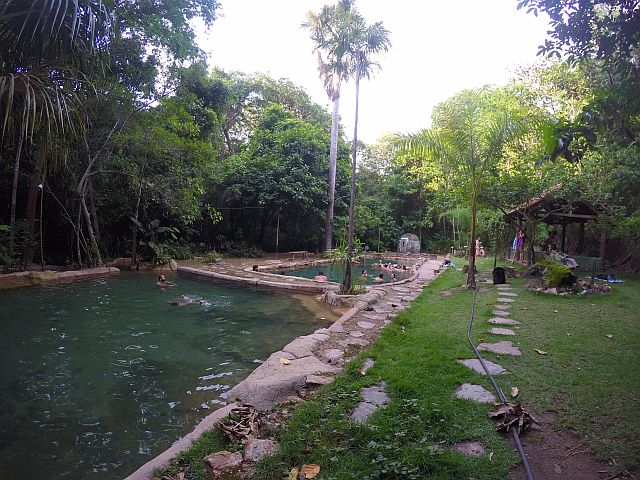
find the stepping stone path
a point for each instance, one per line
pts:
(475, 365)
(500, 348)
(469, 449)
(505, 300)
(508, 294)
(502, 307)
(475, 393)
(373, 398)
(334, 354)
(502, 331)
(503, 321)
(501, 313)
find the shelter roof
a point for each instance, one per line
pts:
(554, 209)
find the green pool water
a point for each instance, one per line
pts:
(96, 378)
(336, 274)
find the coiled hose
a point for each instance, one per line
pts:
(503, 399)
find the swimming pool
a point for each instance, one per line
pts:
(99, 377)
(371, 265)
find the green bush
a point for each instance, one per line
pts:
(240, 250)
(178, 252)
(554, 273)
(210, 257)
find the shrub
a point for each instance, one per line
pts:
(554, 273)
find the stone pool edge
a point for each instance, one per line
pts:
(145, 472)
(49, 277)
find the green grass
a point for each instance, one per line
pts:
(591, 382)
(411, 438)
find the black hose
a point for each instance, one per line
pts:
(503, 399)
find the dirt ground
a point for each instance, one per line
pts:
(563, 456)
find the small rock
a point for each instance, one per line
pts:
(366, 365)
(503, 321)
(223, 465)
(255, 449)
(475, 393)
(551, 291)
(476, 366)
(336, 328)
(470, 449)
(318, 380)
(334, 354)
(356, 334)
(502, 331)
(366, 325)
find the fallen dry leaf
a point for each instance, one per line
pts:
(541, 352)
(311, 470)
(285, 361)
(514, 392)
(510, 415)
(293, 474)
(608, 335)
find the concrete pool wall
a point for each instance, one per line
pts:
(49, 277)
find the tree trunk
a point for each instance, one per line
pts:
(346, 282)
(82, 192)
(32, 199)
(471, 274)
(134, 243)
(92, 209)
(14, 194)
(354, 155)
(333, 156)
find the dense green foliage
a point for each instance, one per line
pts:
(120, 122)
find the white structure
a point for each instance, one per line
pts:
(409, 243)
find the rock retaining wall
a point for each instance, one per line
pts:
(48, 277)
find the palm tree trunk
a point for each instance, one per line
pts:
(354, 152)
(32, 200)
(134, 242)
(333, 156)
(471, 274)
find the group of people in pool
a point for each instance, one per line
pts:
(184, 299)
(364, 275)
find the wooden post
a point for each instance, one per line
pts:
(603, 245)
(581, 239)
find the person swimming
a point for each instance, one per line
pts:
(379, 278)
(320, 277)
(162, 282)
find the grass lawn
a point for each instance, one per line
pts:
(590, 381)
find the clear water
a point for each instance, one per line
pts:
(336, 274)
(98, 377)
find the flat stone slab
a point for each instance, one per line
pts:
(273, 382)
(354, 341)
(336, 328)
(505, 300)
(475, 393)
(470, 449)
(373, 398)
(501, 348)
(508, 294)
(333, 354)
(501, 313)
(356, 334)
(503, 321)
(366, 365)
(366, 325)
(400, 289)
(475, 365)
(504, 286)
(502, 331)
(373, 316)
(318, 380)
(502, 307)
(408, 298)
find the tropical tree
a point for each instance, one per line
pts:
(368, 40)
(44, 45)
(331, 32)
(468, 138)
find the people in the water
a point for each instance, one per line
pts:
(320, 277)
(379, 278)
(163, 282)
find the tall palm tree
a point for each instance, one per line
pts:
(331, 32)
(467, 141)
(367, 41)
(43, 42)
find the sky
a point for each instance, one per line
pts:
(438, 47)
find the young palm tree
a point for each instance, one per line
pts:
(331, 32)
(42, 42)
(368, 40)
(467, 141)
